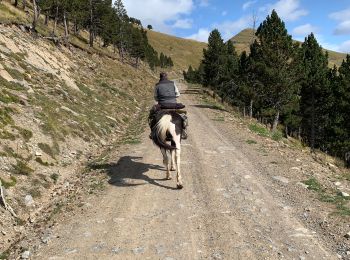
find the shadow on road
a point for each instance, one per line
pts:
(214, 107)
(192, 91)
(130, 168)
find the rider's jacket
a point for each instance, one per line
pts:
(166, 92)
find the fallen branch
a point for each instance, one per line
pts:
(3, 201)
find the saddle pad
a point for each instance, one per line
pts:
(172, 106)
(179, 111)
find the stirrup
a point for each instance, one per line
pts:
(184, 135)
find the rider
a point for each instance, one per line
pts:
(165, 93)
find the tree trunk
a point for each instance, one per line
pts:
(75, 27)
(55, 23)
(46, 20)
(251, 108)
(312, 137)
(275, 121)
(243, 111)
(35, 16)
(65, 27)
(286, 131)
(91, 38)
(16, 3)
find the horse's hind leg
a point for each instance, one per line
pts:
(166, 163)
(177, 153)
(178, 172)
(172, 154)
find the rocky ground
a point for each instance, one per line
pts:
(247, 195)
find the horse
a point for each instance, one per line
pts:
(168, 128)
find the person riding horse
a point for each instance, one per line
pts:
(165, 93)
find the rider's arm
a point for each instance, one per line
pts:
(177, 92)
(156, 94)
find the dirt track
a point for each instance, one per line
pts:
(229, 208)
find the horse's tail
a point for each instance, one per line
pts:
(159, 132)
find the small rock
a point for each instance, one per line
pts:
(28, 200)
(3, 232)
(116, 250)
(332, 166)
(344, 194)
(38, 154)
(347, 235)
(337, 183)
(347, 252)
(138, 250)
(281, 179)
(66, 185)
(303, 185)
(25, 255)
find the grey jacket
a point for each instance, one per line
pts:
(166, 91)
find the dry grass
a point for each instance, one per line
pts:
(183, 52)
(243, 39)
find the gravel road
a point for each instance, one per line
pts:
(228, 208)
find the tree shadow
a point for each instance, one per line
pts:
(192, 91)
(214, 107)
(130, 167)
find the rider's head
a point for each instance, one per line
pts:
(163, 76)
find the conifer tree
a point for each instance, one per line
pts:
(271, 56)
(212, 59)
(315, 93)
(339, 142)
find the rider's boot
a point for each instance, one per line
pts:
(184, 134)
(185, 125)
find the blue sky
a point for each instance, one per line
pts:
(194, 19)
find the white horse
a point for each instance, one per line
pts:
(168, 128)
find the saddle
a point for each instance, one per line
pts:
(174, 107)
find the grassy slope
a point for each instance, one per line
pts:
(58, 105)
(243, 39)
(184, 52)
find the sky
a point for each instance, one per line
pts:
(195, 19)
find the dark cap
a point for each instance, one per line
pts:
(163, 75)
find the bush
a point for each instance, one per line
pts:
(277, 135)
(22, 168)
(260, 130)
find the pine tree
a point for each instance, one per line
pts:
(339, 142)
(271, 60)
(315, 93)
(212, 59)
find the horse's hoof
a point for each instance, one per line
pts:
(180, 186)
(168, 178)
(172, 169)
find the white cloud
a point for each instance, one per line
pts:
(183, 24)
(344, 18)
(229, 28)
(304, 30)
(341, 15)
(288, 10)
(342, 47)
(345, 47)
(248, 4)
(202, 35)
(204, 3)
(325, 44)
(158, 12)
